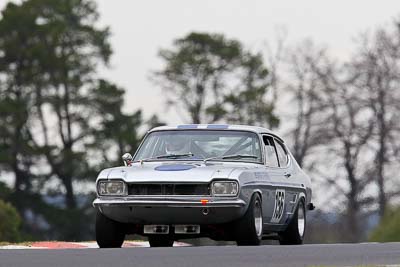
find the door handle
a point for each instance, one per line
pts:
(287, 175)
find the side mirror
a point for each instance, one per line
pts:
(128, 159)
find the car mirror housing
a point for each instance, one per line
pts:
(128, 159)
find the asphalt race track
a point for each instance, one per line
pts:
(269, 255)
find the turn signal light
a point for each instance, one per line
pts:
(204, 201)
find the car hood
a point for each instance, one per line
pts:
(173, 172)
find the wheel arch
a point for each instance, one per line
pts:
(253, 193)
(257, 191)
(303, 196)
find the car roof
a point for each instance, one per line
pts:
(254, 129)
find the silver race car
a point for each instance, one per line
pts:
(225, 182)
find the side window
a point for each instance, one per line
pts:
(271, 159)
(282, 154)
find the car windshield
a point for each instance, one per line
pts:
(200, 145)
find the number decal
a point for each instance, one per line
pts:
(279, 206)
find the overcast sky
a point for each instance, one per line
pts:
(140, 28)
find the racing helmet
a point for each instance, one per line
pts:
(176, 144)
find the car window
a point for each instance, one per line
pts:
(271, 159)
(282, 154)
(203, 144)
(224, 143)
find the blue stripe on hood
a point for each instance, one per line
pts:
(174, 167)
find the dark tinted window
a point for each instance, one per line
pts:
(271, 159)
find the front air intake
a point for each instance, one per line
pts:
(154, 189)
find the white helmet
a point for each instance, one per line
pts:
(177, 144)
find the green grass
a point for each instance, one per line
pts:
(388, 229)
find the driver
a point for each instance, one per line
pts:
(177, 144)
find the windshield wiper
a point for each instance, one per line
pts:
(235, 156)
(167, 156)
(175, 156)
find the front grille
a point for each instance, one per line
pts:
(169, 189)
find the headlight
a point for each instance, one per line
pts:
(112, 188)
(225, 188)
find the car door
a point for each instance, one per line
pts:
(286, 178)
(270, 189)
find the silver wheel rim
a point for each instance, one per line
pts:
(301, 222)
(258, 218)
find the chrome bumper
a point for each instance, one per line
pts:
(171, 210)
(169, 202)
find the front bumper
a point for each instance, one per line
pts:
(171, 210)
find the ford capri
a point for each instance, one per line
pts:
(225, 182)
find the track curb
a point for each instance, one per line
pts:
(78, 245)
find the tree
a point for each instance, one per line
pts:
(351, 131)
(54, 109)
(116, 129)
(248, 103)
(362, 99)
(74, 47)
(212, 78)
(60, 48)
(16, 152)
(331, 119)
(376, 67)
(9, 222)
(306, 62)
(154, 121)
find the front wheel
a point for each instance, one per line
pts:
(294, 233)
(160, 241)
(249, 229)
(109, 233)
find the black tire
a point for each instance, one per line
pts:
(249, 228)
(160, 241)
(293, 235)
(109, 233)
